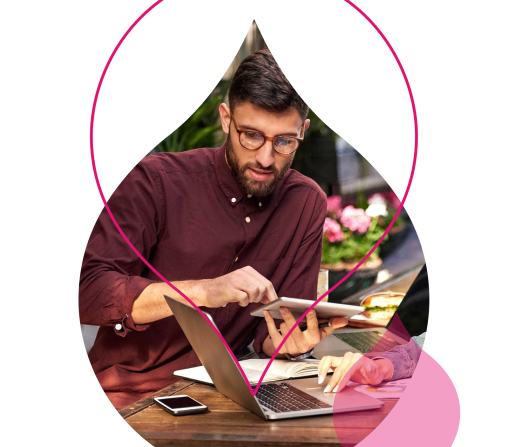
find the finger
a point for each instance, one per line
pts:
(354, 365)
(272, 329)
(335, 323)
(297, 336)
(340, 371)
(324, 366)
(269, 291)
(313, 334)
(354, 368)
(312, 321)
(270, 294)
(289, 344)
(250, 285)
(242, 298)
(265, 300)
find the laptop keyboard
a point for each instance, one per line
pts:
(368, 341)
(284, 397)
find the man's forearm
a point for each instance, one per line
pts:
(151, 306)
(242, 286)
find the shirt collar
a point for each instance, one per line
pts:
(227, 181)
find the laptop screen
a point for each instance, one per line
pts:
(413, 311)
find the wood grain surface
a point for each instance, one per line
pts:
(228, 424)
(140, 405)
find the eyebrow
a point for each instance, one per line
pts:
(249, 127)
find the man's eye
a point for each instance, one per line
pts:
(253, 135)
(284, 141)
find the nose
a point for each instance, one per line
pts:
(265, 154)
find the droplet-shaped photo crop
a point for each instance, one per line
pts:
(228, 256)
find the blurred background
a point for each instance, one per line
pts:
(361, 204)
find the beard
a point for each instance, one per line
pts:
(251, 186)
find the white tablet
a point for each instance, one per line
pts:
(298, 306)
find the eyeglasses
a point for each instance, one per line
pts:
(253, 140)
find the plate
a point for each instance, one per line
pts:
(361, 320)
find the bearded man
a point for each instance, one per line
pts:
(230, 227)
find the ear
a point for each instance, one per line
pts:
(225, 117)
(306, 125)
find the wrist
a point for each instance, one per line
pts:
(268, 348)
(193, 290)
(300, 357)
(386, 368)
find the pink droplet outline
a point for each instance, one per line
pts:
(171, 285)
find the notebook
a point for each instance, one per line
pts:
(409, 320)
(275, 400)
(253, 368)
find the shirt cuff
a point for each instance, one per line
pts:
(119, 314)
(403, 358)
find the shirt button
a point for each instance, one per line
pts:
(260, 204)
(236, 259)
(118, 327)
(233, 200)
(249, 195)
(247, 219)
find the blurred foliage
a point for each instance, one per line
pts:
(202, 128)
(316, 157)
(318, 128)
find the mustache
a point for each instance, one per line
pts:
(260, 167)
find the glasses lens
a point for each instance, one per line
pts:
(285, 145)
(252, 140)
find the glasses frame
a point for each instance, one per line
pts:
(239, 132)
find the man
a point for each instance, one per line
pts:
(228, 227)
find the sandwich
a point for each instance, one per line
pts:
(381, 306)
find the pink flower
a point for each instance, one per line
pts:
(333, 206)
(355, 219)
(332, 230)
(392, 199)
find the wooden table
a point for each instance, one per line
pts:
(228, 424)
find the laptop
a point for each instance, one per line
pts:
(276, 400)
(409, 320)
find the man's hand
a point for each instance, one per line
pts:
(243, 286)
(298, 342)
(354, 367)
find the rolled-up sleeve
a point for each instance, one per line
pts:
(111, 275)
(403, 358)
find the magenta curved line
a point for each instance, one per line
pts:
(171, 285)
(398, 210)
(111, 214)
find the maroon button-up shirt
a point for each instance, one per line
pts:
(187, 215)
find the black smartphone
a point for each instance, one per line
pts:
(180, 405)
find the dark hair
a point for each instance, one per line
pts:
(260, 81)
